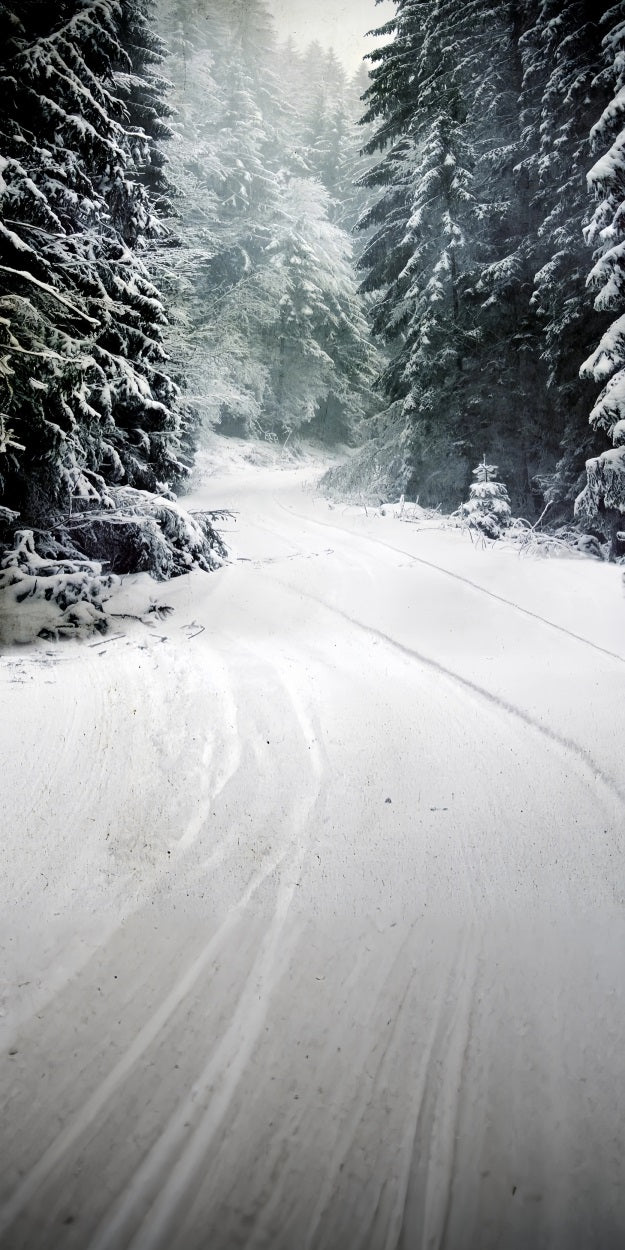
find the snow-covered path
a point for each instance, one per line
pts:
(313, 916)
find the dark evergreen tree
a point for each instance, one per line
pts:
(602, 502)
(91, 423)
(475, 259)
(86, 388)
(508, 402)
(417, 258)
(562, 58)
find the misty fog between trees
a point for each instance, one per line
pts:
(312, 526)
(205, 228)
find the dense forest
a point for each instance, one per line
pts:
(202, 227)
(496, 262)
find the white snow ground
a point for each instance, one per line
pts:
(313, 922)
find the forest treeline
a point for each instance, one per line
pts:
(194, 229)
(93, 435)
(491, 121)
(175, 250)
(272, 332)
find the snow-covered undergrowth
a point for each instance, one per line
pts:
(399, 509)
(49, 598)
(526, 539)
(146, 533)
(60, 589)
(563, 541)
(368, 481)
(374, 472)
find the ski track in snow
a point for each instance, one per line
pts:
(567, 744)
(483, 590)
(320, 926)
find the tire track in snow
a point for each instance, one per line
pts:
(551, 735)
(453, 1019)
(215, 773)
(444, 1137)
(362, 562)
(459, 577)
(269, 1211)
(93, 720)
(97, 1102)
(221, 1072)
(347, 1138)
(177, 1156)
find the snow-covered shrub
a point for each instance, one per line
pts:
(146, 533)
(49, 598)
(602, 502)
(565, 541)
(7, 521)
(488, 507)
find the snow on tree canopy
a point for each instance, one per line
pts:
(602, 502)
(86, 394)
(488, 507)
(270, 328)
(449, 261)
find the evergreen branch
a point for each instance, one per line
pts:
(50, 290)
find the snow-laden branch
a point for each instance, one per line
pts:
(50, 290)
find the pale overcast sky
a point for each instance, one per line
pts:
(340, 24)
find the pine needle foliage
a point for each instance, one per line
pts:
(488, 507)
(87, 403)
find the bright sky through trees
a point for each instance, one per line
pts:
(342, 26)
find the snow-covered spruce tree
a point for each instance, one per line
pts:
(86, 391)
(602, 502)
(316, 339)
(291, 344)
(507, 399)
(320, 103)
(417, 260)
(475, 87)
(265, 354)
(323, 123)
(226, 161)
(488, 507)
(354, 198)
(143, 91)
(562, 55)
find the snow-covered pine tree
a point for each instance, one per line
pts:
(86, 389)
(488, 507)
(320, 100)
(316, 341)
(143, 93)
(265, 352)
(561, 58)
(602, 502)
(455, 115)
(225, 164)
(324, 128)
(354, 198)
(507, 392)
(417, 259)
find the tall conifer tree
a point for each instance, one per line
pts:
(86, 389)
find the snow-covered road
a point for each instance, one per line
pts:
(313, 914)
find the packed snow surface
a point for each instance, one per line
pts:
(313, 920)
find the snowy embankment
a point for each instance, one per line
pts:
(313, 921)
